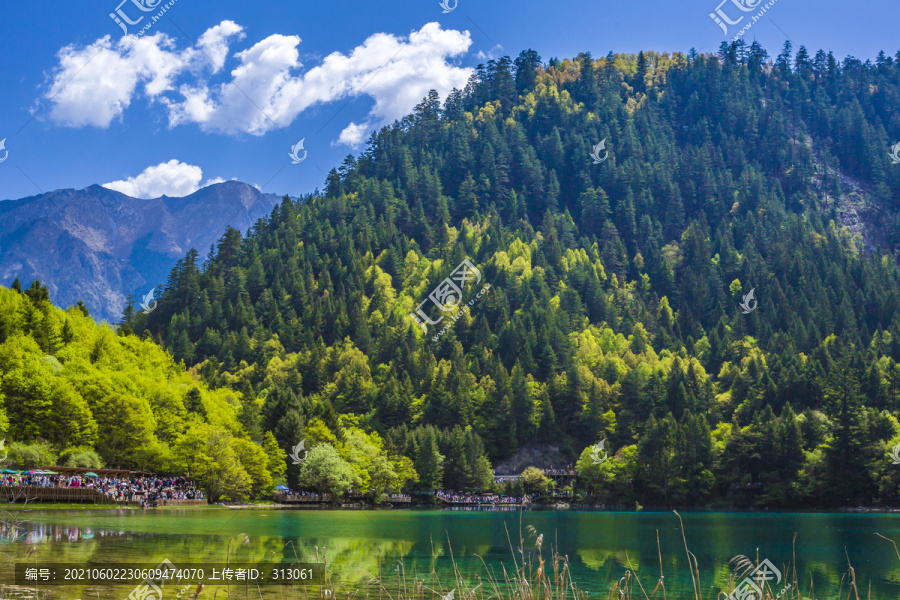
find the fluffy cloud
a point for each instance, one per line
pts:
(490, 53)
(95, 84)
(353, 135)
(264, 92)
(214, 42)
(266, 88)
(173, 178)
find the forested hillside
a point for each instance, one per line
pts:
(613, 310)
(74, 393)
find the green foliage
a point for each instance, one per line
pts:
(255, 462)
(81, 457)
(609, 481)
(376, 469)
(535, 481)
(71, 388)
(326, 472)
(30, 456)
(275, 458)
(210, 455)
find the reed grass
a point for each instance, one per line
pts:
(540, 572)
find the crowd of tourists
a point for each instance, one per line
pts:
(304, 497)
(311, 497)
(457, 498)
(560, 471)
(138, 489)
(150, 490)
(513, 474)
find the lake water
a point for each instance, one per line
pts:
(600, 546)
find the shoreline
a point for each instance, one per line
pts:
(57, 507)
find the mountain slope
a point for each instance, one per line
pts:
(99, 245)
(68, 385)
(617, 280)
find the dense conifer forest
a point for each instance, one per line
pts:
(614, 303)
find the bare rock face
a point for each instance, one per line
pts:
(98, 245)
(543, 456)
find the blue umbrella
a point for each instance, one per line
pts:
(283, 488)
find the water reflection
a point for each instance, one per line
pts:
(359, 545)
(36, 533)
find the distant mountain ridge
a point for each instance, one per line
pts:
(99, 245)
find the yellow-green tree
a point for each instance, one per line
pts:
(207, 454)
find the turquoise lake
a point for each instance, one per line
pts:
(600, 546)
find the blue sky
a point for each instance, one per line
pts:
(224, 90)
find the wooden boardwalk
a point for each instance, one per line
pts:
(484, 504)
(315, 499)
(54, 494)
(35, 493)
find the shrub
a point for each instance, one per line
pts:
(85, 458)
(31, 456)
(535, 481)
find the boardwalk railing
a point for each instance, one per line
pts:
(301, 498)
(54, 494)
(181, 502)
(315, 499)
(76, 495)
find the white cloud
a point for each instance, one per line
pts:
(490, 53)
(265, 89)
(173, 178)
(214, 42)
(353, 135)
(95, 84)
